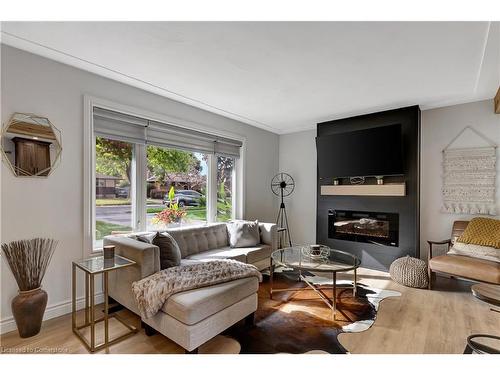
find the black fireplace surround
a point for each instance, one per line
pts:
(390, 228)
(379, 228)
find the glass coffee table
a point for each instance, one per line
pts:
(331, 261)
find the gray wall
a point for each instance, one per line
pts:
(298, 158)
(439, 127)
(53, 207)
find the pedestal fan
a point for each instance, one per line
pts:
(283, 185)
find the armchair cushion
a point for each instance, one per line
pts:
(467, 267)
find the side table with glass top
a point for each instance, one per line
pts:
(92, 267)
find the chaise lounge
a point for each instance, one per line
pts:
(193, 317)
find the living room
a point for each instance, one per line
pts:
(257, 187)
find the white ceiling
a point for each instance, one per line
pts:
(281, 76)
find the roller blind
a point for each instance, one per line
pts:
(120, 126)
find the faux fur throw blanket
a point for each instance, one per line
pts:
(152, 292)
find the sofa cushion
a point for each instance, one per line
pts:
(193, 306)
(243, 233)
(223, 253)
(197, 239)
(471, 268)
(241, 254)
(259, 252)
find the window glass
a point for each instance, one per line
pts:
(113, 204)
(225, 188)
(183, 174)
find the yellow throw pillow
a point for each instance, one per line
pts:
(482, 231)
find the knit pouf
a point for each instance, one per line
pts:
(410, 272)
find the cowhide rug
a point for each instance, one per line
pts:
(298, 322)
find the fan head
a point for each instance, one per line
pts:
(282, 183)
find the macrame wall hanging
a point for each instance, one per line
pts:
(469, 176)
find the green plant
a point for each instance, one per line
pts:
(173, 213)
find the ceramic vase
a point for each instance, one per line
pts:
(28, 308)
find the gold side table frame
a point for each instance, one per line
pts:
(92, 267)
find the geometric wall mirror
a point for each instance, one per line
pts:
(31, 145)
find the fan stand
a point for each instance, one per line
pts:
(282, 221)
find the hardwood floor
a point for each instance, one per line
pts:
(420, 321)
(56, 337)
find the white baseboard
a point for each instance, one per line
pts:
(8, 324)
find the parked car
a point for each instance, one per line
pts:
(122, 192)
(185, 198)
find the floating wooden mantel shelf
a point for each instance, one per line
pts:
(385, 190)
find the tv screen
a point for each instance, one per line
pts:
(369, 152)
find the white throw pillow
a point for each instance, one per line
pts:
(475, 251)
(243, 233)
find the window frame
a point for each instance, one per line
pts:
(138, 189)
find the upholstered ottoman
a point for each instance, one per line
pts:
(410, 272)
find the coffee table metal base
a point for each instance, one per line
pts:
(331, 303)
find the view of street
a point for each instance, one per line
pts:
(119, 215)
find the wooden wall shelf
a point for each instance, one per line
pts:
(386, 190)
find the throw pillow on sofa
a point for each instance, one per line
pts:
(170, 254)
(243, 233)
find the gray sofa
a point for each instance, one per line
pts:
(193, 317)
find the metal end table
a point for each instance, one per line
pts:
(91, 267)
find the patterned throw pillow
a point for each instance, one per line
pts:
(243, 233)
(482, 231)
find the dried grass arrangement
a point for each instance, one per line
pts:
(28, 260)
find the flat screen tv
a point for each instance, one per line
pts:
(370, 152)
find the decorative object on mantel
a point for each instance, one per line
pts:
(387, 190)
(28, 260)
(469, 176)
(283, 185)
(31, 145)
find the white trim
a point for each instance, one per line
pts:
(234, 194)
(88, 176)
(89, 170)
(138, 188)
(240, 198)
(8, 324)
(212, 189)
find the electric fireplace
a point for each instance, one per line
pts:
(380, 228)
